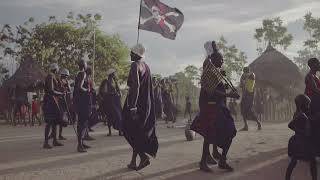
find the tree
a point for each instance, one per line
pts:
(66, 42)
(192, 73)
(234, 59)
(3, 73)
(273, 31)
(311, 45)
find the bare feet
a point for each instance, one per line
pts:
(81, 149)
(211, 161)
(132, 166)
(47, 146)
(244, 129)
(224, 165)
(204, 167)
(143, 163)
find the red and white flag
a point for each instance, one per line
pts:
(158, 17)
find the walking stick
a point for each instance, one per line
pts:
(69, 114)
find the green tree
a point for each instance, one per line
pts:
(192, 73)
(234, 59)
(311, 45)
(66, 42)
(272, 31)
(3, 73)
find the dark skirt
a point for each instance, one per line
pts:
(301, 148)
(215, 124)
(205, 122)
(113, 110)
(51, 109)
(246, 104)
(140, 134)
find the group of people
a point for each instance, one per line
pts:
(62, 105)
(304, 145)
(137, 119)
(164, 99)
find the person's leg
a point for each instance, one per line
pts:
(210, 159)
(54, 135)
(144, 161)
(39, 119)
(223, 161)
(60, 133)
(215, 152)
(313, 169)
(245, 122)
(205, 151)
(46, 136)
(81, 132)
(290, 168)
(109, 127)
(133, 163)
(258, 122)
(32, 119)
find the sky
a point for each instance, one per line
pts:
(205, 20)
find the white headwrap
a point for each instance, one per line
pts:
(53, 66)
(110, 71)
(139, 50)
(208, 48)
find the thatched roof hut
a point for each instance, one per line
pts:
(28, 74)
(275, 70)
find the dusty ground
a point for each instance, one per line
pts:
(23, 158)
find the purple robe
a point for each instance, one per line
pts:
(140, 132)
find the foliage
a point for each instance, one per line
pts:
(192, 73)
(234, 59)
(66, 42)
(3, 73)
(273, 31)
(311, 45)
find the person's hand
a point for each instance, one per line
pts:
(234, 95)
(133, 113)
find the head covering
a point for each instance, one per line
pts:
(313, 62)
(301, 100)
(53, 66)
(208, 47)
(65, 72)
(139, 50)
(110, 71)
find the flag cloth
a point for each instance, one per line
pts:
(158, 17)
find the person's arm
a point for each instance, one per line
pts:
(68, 88)
(117, 87)
(296, 125)
(52, 87)
(134, 86)
(83, 76)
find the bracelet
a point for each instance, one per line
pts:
(133, 109)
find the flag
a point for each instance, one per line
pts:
(158, 17)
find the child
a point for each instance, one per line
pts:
(35, 110)
(300, 146)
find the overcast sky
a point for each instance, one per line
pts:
(205, 20)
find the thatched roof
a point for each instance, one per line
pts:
(274, 69)
(28, 74)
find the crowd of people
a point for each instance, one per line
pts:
(149, 98)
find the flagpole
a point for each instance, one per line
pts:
(139, 22)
